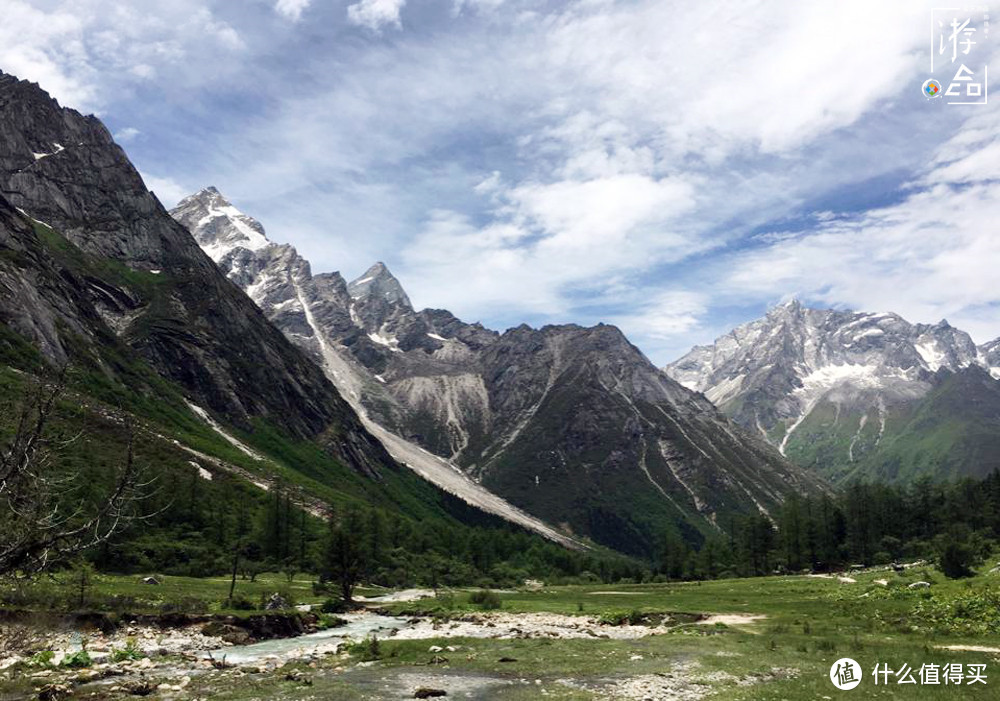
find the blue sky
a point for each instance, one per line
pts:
(673, 168)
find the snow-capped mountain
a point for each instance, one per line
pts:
(989, 357)
(316, 313)
(572, 425)
(829, 387)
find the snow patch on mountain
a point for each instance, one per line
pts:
(215, 426)
(39, 156)
(391, 342)
(932, 355)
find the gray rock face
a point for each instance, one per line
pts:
(572, 424)
(989, 357)
(110, 263)
(798, 376)
(39, 301)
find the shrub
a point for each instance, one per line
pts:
(445, 600)
(620, 618)
(333, 606)
(368, 650)
(42, 659)
(486, 599)
(240, 603)
(956, 560)
(328, 621)
(77, 659)
(321, 588)
(131, 651)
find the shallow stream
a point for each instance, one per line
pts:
(358, 627)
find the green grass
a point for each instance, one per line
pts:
(175, 594)
(810, 623)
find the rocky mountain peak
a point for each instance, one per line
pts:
(989, 357)
(378, 282)
(218, 226)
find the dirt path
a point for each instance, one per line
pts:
(732, 619)
(968, 648)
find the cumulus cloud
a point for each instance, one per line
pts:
(664, 315)
(376, 14)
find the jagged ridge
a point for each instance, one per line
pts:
(572, 424)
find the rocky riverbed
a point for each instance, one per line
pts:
(217, 653)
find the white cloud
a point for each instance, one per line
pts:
(590, 215)
(167, 190)
(123, 136)
(43, 47)
(376, 14)
(578, 162)
(549, 241)
(83, 52)
(664, 315)
(292, 9)
(933, 255)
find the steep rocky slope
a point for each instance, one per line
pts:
(160, 294)
(96, 275)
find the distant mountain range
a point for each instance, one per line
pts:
(855, 394)
(573, 425)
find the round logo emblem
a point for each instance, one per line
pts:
(845, 673)
(932, 88)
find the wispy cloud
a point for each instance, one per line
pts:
(376, 14)
(126, 134)
(167, 190)
(928, 257)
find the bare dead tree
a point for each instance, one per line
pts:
(42, 522)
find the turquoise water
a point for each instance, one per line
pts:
(358, 627)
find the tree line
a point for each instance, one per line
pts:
(57, 505)
(956, 524)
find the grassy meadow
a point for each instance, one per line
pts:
(807, 623)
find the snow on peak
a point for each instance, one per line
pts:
(377, 281)
(931, 354)
(218, 226)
